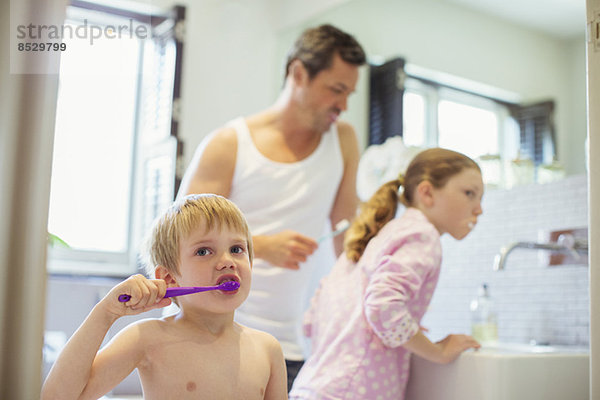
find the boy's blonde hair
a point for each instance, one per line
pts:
(435, 165)
(185, 215)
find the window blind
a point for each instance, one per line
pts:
(386, 91)
(159, 145)
(536, 126)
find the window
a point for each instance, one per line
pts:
(94, 143)
(429, 109)
(509, 140)
(467, 128)
(464, 122)
(415, 119)
(115, 135)
(452, 119)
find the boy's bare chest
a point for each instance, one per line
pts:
(208, 371)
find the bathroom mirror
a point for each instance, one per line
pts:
(455, 43)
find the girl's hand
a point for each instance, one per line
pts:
(453, 345)
(146, 294)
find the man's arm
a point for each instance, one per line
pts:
(212, 167)
(346, 201)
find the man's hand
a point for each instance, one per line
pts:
(285, 249)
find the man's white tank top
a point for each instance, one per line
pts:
(276, 196)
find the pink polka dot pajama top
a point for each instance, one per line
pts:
(362, 314)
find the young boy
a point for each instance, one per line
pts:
(199, 353)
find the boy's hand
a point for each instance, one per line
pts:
(146, 294)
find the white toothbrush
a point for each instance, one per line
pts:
(339, 228)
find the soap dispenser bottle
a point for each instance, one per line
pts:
(484, 326)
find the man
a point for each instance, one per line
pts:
(290, 168)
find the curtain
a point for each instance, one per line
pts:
(159, 146)
(536, 126)
(386, 91)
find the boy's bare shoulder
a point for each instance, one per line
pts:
(261, 337)
(149, 328)
(151, 323)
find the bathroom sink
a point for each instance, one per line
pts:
(504, 372)
(519, 348)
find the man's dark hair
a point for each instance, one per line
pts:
(316, 47)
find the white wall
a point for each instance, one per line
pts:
(292, 12)
(228, 67)
(459, 41)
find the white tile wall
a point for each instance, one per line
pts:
(534, 302)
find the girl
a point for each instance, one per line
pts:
(364, 319)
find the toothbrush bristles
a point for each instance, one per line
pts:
(342, 225)
(229, 285)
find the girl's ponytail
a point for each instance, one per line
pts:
(374, 214)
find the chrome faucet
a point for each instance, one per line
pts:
(565, 243)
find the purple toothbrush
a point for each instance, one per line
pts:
(180, 291)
